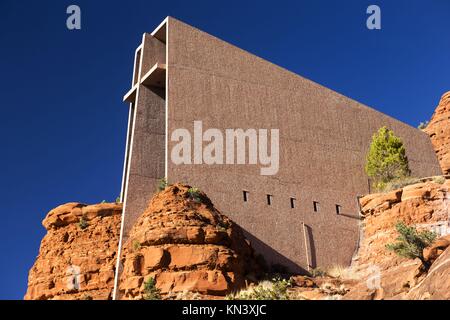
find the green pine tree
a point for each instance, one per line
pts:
(410, 243)
(150, 290)
(386, 160)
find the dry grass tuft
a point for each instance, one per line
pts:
(343, 273)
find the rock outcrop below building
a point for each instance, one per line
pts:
(187, 246)
(181, 240)
(384, 275)
(193, 251)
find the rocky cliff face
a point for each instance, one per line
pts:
(77, 255)
(181, 240)
(193, 251)
(439, 131)
(424, 205)
(383, 274)
(187, 246)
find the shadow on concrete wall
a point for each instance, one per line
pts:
(350, 216)
(273, 258)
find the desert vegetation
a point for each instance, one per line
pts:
(150, 290)
(162, 184)
(276, 289)
(82, 223)
(194, 194)
(410, 242)
(423, 125)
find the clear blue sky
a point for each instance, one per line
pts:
(63, 124)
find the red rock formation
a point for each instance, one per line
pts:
(76, 260)
(424, 205)
(439, 131)
(436, 249)
(436, 284)
(192, 250)
(186, 245)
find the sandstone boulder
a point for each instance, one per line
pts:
(186, 245)
(384, 275)
(436, 249)
(439, 131)
(76, 262)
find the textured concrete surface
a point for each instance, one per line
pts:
(324, 138)
(147, 137)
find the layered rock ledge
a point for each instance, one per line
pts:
(424, 205)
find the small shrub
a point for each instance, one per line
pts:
(162, 184)
(117, 200)
(136, 245)
(222, 226)
(439, 179)
(317, 273)
(82, 223)
(150, 290)
(266, 290)
(194, 194)
(333, 290)
(386, 159)
(103, 201)
(341, 272)
(410, 243)
(423, 125)
(398, 183)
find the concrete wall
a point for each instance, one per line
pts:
(146, 155)
(324, 138)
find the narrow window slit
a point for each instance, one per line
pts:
(292, 203)
(316, 206)
(245, 194)
(269, 199)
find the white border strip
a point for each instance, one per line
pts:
(119, 250)
(126, 171)
(125, 162)
(167, 102)
(161, 25)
